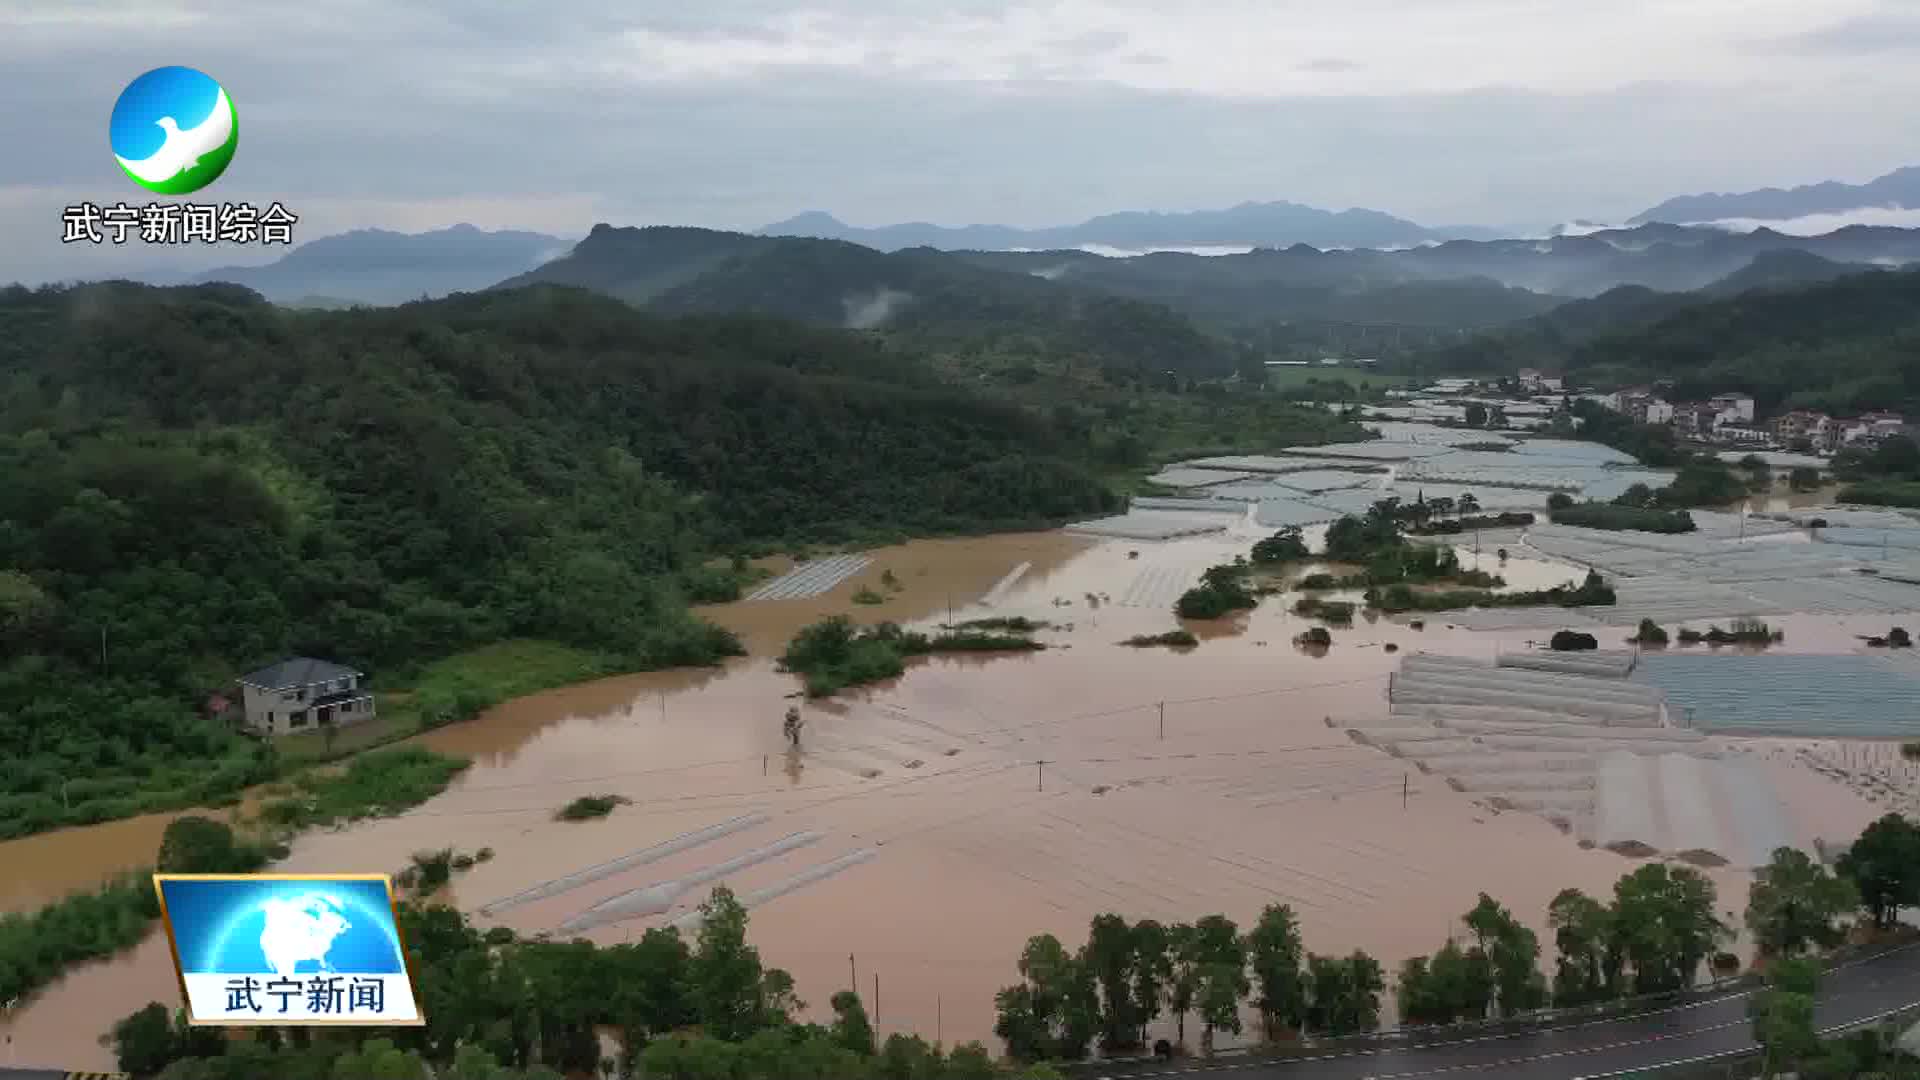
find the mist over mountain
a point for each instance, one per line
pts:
(1899, 189)
(931, 299)
(376, 266)
(1248, 225)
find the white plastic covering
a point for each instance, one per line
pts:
(1677, 804)
(1598, 663)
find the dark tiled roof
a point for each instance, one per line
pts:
(298, 671)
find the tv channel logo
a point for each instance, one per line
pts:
(288, 949)
(174, 130)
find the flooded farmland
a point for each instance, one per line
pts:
(988, 797)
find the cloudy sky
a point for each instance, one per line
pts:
(415, 114)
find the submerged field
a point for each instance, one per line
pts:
(945, 816)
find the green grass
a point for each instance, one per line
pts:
(1883, 493)
(375, 784)
(457, 688)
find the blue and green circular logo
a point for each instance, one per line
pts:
(174, 130)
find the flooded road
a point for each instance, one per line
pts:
(1000, 796)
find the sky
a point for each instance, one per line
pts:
(417, 114)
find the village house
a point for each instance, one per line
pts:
(303, 694)
(1732, 408)
(1816, 427)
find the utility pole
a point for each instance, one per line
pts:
(876, 1006)
(939, 1020)
(1406, 782)
(854, 974)
(1163, 719)
(663, 706)
(1041, 779)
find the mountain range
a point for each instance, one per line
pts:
(933, 299)
(1250, 224)
(1899, 189)
(375, 266)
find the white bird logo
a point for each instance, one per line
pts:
(184, 148)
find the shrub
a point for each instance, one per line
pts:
(1599, 515)
(1571, 641)
(1182, 639)
(1649, 633)
(1317, 635)
(588, 807)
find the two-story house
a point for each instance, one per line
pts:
(303, 694)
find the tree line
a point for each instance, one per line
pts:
(1655, 935)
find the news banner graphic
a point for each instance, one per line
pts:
(288, 949)
(174, 130)
(178, 223)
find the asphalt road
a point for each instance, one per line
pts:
(1705, 1028)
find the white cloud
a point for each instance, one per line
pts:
(1817, 224)
(733, 113)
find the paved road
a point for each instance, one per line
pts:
(1593, 1048)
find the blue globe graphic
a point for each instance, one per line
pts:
(364, 946)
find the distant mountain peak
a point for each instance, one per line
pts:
(1263, 224)
(1899, 189)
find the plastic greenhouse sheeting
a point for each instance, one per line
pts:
(1839, 696)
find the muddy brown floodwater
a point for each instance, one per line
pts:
(1001, 796)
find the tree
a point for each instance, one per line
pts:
(1884, 866)
(1223, 985)
(1056, 1011)
(143, 1041)
(1804, 478)
(1110, 957)
(1183, 976)
(1587, 963)
(1476, 415)
(1783, 1013)
(725, 972)
(1152, 971)
(1664, 921)
(1343, 993)
(198, 845)
(970, 1061)
(1287, 544)
(1559, 500)
(1274, 952)
(379, 1059)
(1514, 954)
(1795, 903)
(851, 1028)
(1468, 504)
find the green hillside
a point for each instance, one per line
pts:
(209, 482)
(923, 298)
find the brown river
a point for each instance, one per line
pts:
(999, 797)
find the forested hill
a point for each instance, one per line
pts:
(921, 297)
(212, 482)
(1842, 345)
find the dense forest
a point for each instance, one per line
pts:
(1842, 345)
(200, 483)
